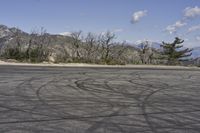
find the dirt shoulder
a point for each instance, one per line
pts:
(94, 65)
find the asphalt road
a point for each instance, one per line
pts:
(98, 100)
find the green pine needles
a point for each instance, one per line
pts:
(174, 51)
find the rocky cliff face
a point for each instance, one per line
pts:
(5, 31)
(7, 34)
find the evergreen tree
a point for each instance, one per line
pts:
(173, 51)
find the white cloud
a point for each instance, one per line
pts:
(65, 33)
(138, 15)
(118, 30)
(139, 41)
(186, 39)
(173, 28)
(198, 38)
(113, 31)
(194, 28)
(190, 12)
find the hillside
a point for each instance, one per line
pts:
(59, 48)
(102, 49)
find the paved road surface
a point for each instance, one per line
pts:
(98, 100)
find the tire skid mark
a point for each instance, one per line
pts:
(108, 105)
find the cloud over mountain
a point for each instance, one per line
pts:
(65, 33)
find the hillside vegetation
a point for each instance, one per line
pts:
(40, 46)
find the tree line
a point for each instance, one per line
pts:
(91, 48)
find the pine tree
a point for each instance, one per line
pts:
(173, 52)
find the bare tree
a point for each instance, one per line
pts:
(118, 53)
(15, 47)
(2, 41)
(91, 47)
(76, 43)
(146, 53)
(38, 48)
(18, 39)
(106, 41)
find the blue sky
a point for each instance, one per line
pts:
(131, 20)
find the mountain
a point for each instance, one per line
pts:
(196, 52)
(7, 34)
(5, 31)
(19, 45)
(154, 45)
